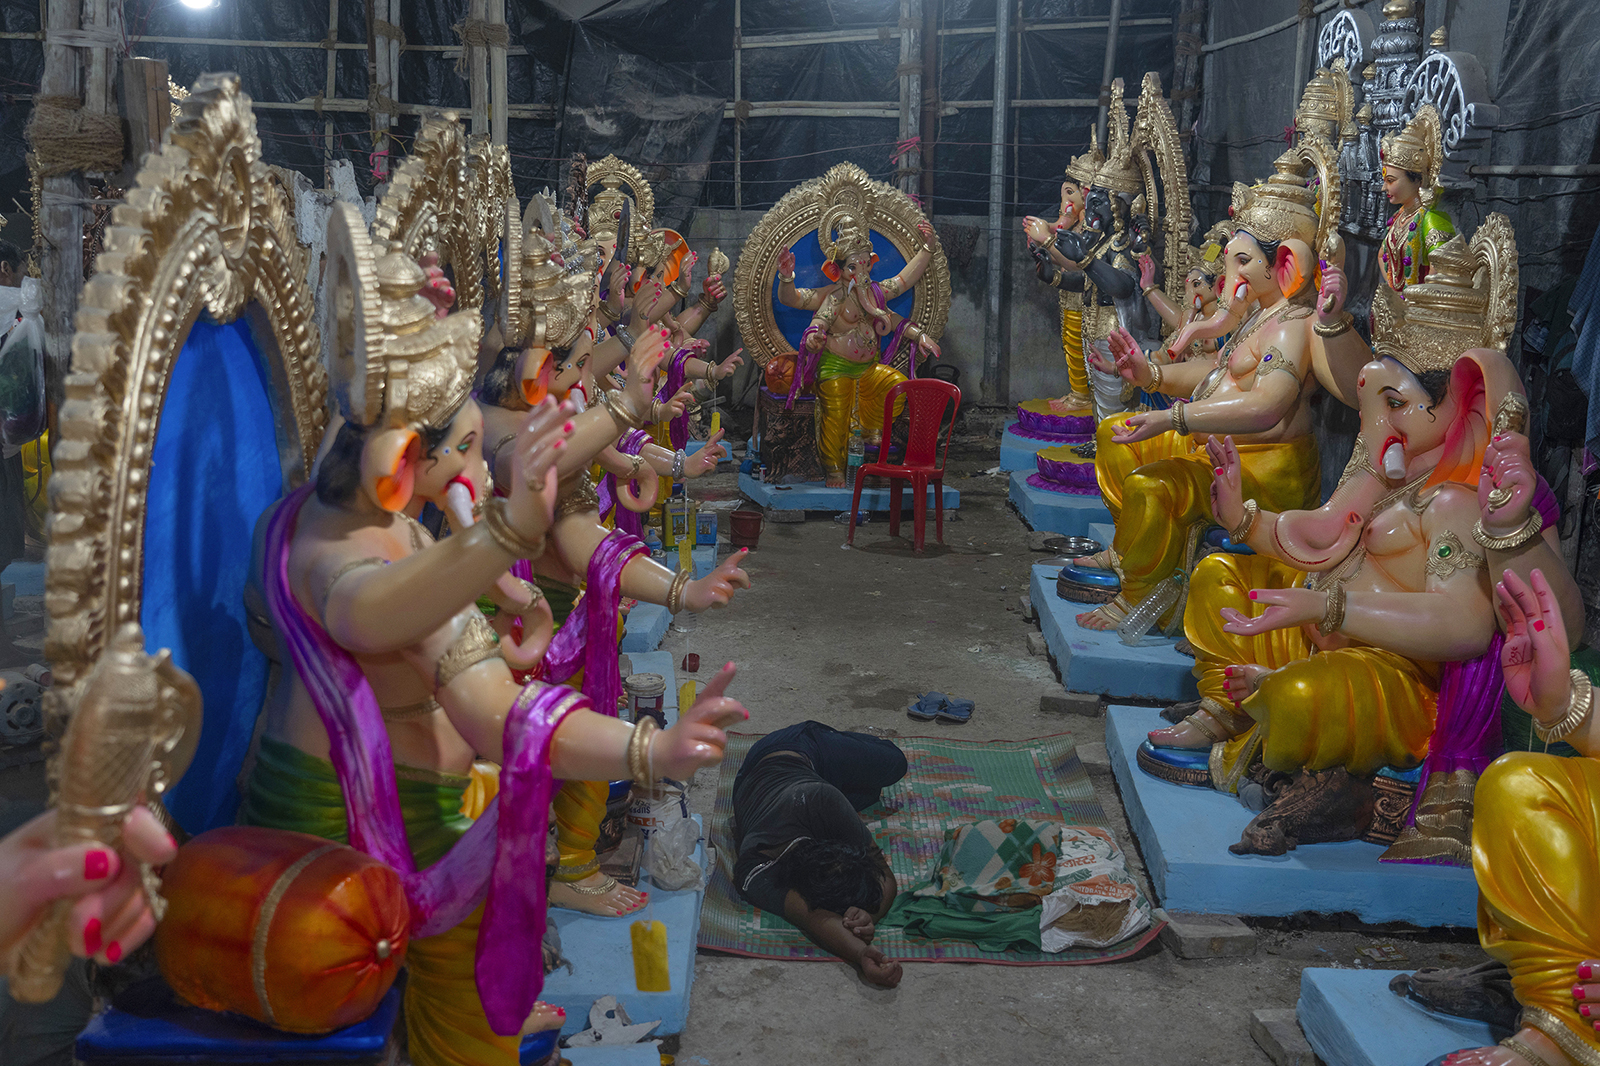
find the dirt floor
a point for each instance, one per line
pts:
(848, 637)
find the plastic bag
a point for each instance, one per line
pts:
(669, 856)
(22, 372)
(1095, 903)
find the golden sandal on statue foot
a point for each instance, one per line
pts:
(594, 899)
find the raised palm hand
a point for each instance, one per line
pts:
(925, 231)
(1227, 482)
(1130, 358)
(786, 261)
(1535, 656)
(699, 736)
(1147, 271)
(531, 503)
(1331, 297)
(643, 359)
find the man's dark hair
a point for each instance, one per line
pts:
(834, 876)
(11, 256)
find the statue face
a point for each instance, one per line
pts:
(1249, 274)
(1199, 291)
(456, 456)
(1072, 195)
(571, 370)
(859, 267)
(1398, 186)
(1099, 214)
(1397, 412)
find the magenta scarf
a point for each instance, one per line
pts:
(588, 638)
(501, 855)
(677, 373)
(609, 489)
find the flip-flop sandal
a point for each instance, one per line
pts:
(957, 710)
(927, 706)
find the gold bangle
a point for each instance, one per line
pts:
(1144, 290)
(640, 765)
(708, 303)
(1180, 422)
(1325, 329)
(1155, 375)
(1241, 532)
(1333, 616)
(1579, 705)
(633, 471)
(613, 402)
(788, 278)
(609, 313)
(535, 594)
(506, 535)
(675, 594)
(1513, 540)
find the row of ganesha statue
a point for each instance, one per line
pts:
(387, 549)
(1351, 654)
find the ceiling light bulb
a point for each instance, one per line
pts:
(198, 5)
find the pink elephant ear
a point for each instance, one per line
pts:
(1288, 267)
(1461, 458)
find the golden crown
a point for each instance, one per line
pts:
(1328, 104)
(1081, 169)
(556, 297)
(1469, 300)
(620, 182)
(1418, 148)
(1119, 173)
(1287, 205)
(849, 201)
(394, 361)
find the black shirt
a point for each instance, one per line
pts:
(778, 802)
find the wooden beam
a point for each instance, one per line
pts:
(478, 69)
(62, 213)
(498, 97)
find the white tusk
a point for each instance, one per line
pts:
(1394, 461)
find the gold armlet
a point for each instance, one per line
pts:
(1333, 617)
(787, 279)
(633, 471)
(617, 405)
(1241, 532)
(640, 765)
(1513, 540)
(475, 644)
(535, 594)
(1333, 329)
(505, 535)
(680, 581)
(1155, 375)
(1180, 422)
(1579, 707)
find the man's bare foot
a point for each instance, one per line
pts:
(1071, 404)
(597, 894)
(1504, 1055)
(543, 1018)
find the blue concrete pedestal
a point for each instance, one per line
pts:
(1184, 834)
(815, 496)
(601, 950)
(1350, 1018)
(1055, 512)
(644, 1054)
(1017, 451)
(705, 560)
(1095, 661)
(645, 627)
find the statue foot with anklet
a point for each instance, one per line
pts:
(597, 894)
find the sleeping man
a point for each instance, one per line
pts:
(803, 850)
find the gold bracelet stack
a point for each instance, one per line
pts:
(505, 535)
(640, 766)
(613, 402)
(608, 313)
(708, 303)
(1241, 532)
(1579, 706)
(1333, 616)
(1180, 424)
(786, 278)
(1155, 375)
(680, 581)
(1513, 540)
(1333, 329)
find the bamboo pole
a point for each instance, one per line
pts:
(498, 99)
(997, 208)
(330, 89)
(478, 70)
(62, 216)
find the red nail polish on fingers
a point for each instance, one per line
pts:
(113, 951)
(1585, 971)
(1583, 1009)
(1252, 594)
(1218, 471)
(567, 428)
(96, 864)
(1578, 992)
(91, 936)
(1538, 625)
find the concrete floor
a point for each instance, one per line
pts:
(848, 637)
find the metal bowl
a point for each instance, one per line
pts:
(1077, 547)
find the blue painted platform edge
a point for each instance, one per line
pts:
(1096, 661)
(1184, 835)
(1350, 1018)
(1056, 512)
(645, 627)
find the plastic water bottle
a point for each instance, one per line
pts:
(856, 455)
(1150, 609)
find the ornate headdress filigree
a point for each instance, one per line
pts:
(1119, 173)
(1287, 205)
(848, 204)
(1081, 168)
(556, 297)
(394, 362)
(618, 183)
(1166, 180)
(1328, 104)
(1469, 300)
(1418, 148)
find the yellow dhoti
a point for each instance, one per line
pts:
(1536, 854)
(1158, 502)
(1361, 708)
(1072, 346)
(846, 389)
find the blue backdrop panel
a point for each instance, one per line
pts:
(213, 471)
(792, 321)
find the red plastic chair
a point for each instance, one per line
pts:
(923, 464)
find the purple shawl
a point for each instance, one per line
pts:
(1466, 731)
(678, 428)
(588, 638)
(629, 522)
(805, 366)
(500, 855)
